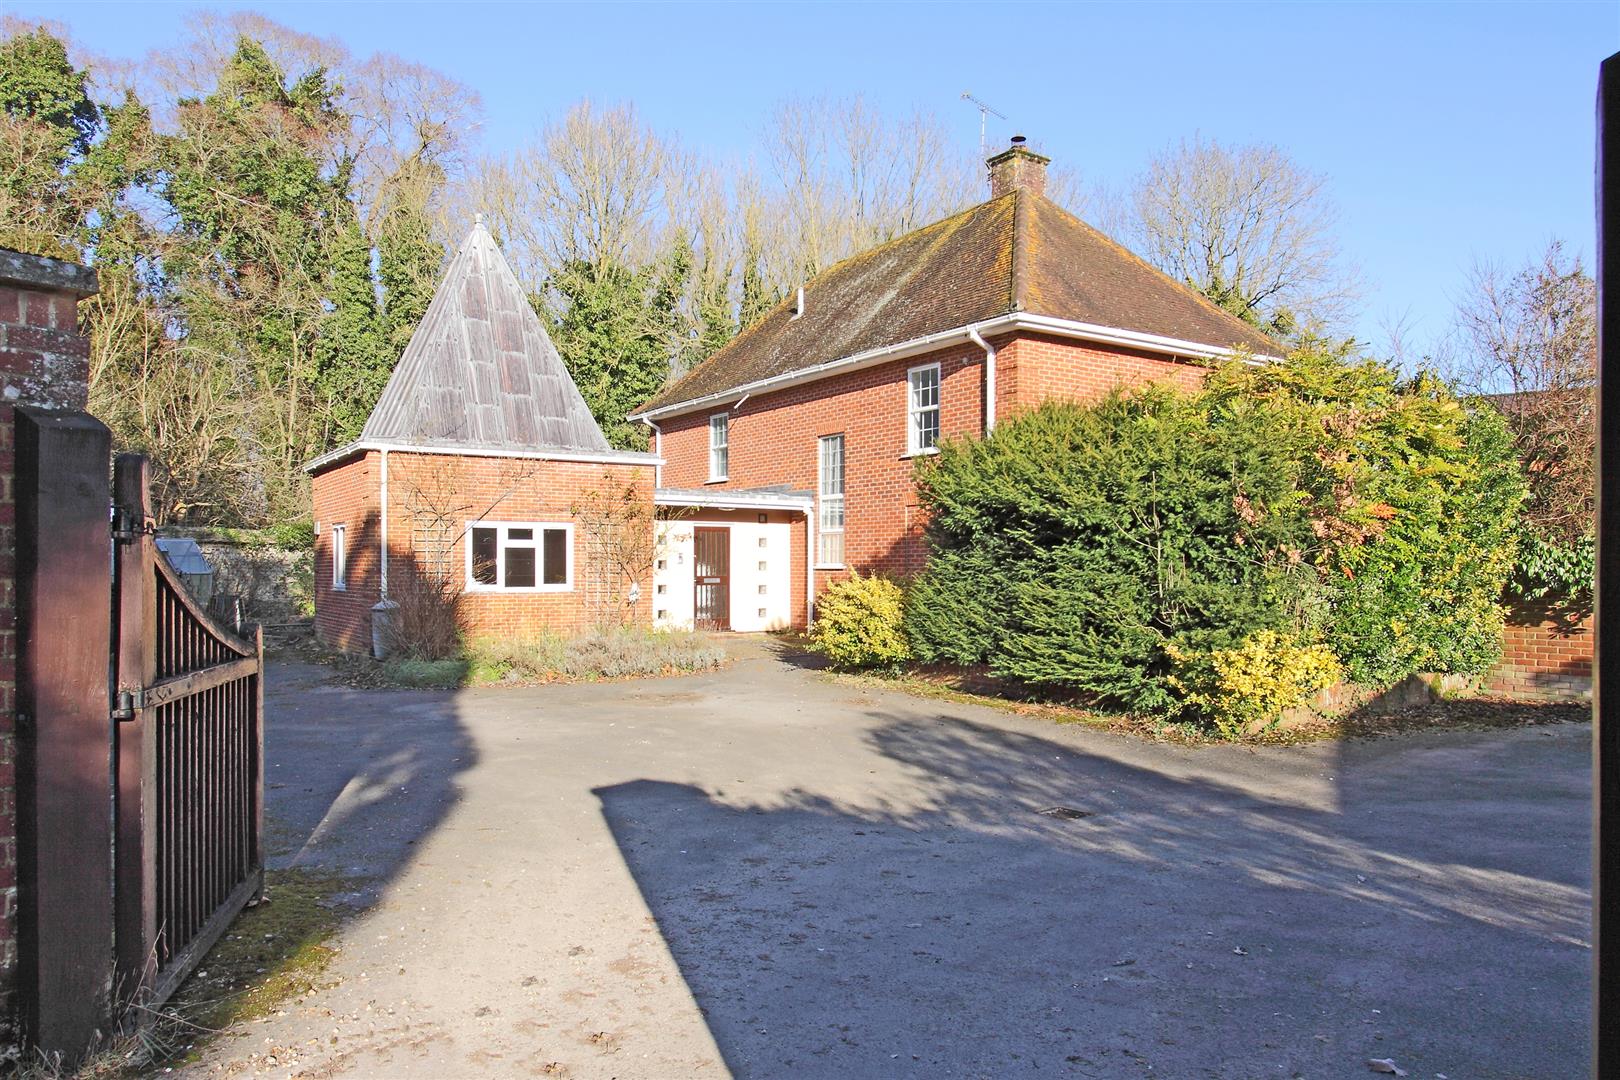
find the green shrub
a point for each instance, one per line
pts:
(1550, 568)
(860, 623)
(1074, 545)
(1414, 494)
(1235, 690)
(1087, 547)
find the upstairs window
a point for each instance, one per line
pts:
(922, 410)
(340, 557)
(719, 454)
(830, 519)
(509, 555)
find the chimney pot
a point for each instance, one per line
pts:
(1017, 167)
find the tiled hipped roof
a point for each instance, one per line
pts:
(1020, 252)
(480, 372)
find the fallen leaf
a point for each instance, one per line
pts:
(1385, 1065)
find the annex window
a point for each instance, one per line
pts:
(510, 555)
(340, 557)
(719, 447)
(830, 522)
(922, 409)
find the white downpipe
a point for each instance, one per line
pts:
(989, 378)
(383, 523)
(810, 566)
(658, 450)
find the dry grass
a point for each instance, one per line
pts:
(275, 953)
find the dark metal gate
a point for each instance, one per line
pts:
(189, 706)
(711, 565)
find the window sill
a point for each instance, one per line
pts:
(718, 480)
(340, 588)
(830, 566)
(928, 452)
(500, 591)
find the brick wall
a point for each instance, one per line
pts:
(773, 437)
(1546, 653)
(44, 360)
(463, 489)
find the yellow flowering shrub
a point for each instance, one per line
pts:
(1236, 689)
(860, 624)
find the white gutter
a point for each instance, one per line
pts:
(384, 519)
(809, 568)
(989, 379)
(1043, 324)
(360, 446)
(658, 449)
(733, 500)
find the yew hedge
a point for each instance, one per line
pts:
(1129, 549)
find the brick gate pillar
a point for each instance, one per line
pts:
(44, 362)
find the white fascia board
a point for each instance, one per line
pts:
(734, 500)
(1040, 324)
(363, 445)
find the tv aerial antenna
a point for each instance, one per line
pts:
(985, 112)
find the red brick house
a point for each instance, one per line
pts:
(467, 474)
(820, 408)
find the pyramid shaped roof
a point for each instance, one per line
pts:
(480, 372)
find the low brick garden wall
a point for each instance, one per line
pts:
(1546, 653)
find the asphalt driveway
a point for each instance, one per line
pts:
(763, 872)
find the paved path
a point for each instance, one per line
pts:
(764, 872)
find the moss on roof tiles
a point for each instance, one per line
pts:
(1019, 252)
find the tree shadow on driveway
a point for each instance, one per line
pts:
(1200, 921)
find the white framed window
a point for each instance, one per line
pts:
(830, 514)
(340, 557)
(719, 447)
(520, 556)
(922, 409)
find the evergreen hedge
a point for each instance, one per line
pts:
(1104, 548)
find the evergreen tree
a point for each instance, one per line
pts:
(409, 258)
(353, 360)
(715, 325)
(49, 122)
(613, 344)
(756, 297)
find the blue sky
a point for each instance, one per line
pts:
(1449, 132)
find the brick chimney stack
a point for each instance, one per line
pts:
(1017, 167)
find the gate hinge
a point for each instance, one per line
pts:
(127, 526)
(130, 702)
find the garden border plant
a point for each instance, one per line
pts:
(1215, 558)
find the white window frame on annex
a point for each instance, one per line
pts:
(722, 448)
(826, 501)
(537, 543)
(914, 411)
(339, 541)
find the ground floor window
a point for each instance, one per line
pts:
(340, 557)
(830, 521)
(520, 555)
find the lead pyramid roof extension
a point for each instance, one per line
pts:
(480, 374)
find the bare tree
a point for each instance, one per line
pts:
(589, 191)
(850, 177)
(1246, 226)
(1530, 339)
